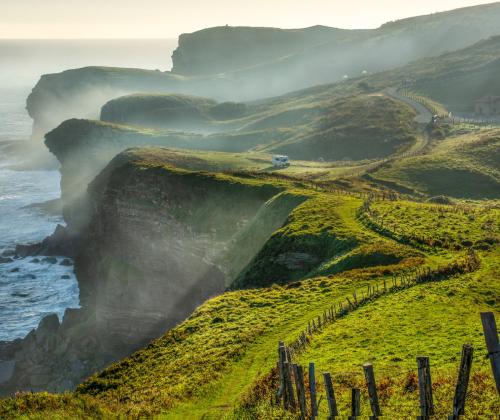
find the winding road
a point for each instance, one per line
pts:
(424, 116)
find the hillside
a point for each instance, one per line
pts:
(238, 331)
(355, 128)
(251, 53)
(456, 78)
(202, 52)
(264, 62)
(173, 111)
(463, 166)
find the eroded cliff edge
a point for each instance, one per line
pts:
(156, 247)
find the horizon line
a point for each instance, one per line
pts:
(89, 39)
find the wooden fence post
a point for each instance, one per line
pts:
(290, 400)
(312, 391)
(425, 388)
(281, 369)
(355, 403)
(492, 344)
(330, 396)
(301, 394)
(372, 389)
(462, 382)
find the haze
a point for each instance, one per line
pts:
(35, 19)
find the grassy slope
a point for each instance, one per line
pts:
(254, 162)
(343, 125)
(464, 166)
(208, 363)
(323, 228)
(455, 78)
(479, 227)
(433, 320)
(354, 128)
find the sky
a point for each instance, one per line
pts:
(68, 19)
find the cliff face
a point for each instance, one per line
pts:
(80, 93)
(84, 148)
(149, 255)
(157, 246)
(226, 49)
(320, 54)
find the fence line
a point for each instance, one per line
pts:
(286, 392)
(399, 281)
(376, 222)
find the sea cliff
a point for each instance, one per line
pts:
(156, 246)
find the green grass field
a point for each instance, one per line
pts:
(208, 366)
(463, 166)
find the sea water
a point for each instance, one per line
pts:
(31, 288)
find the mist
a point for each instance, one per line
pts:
(22, 62)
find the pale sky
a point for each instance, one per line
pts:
(41, 19)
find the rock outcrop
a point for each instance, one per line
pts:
(84, 148)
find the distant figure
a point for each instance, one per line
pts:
(280, 161)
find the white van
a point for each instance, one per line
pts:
(280, 161)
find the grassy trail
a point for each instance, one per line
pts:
(220, 398)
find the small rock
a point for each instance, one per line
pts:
(35, 260)
(65, 277)
(66, 262)
(20, 294)
(48, 325)
(28, 250)
(73, 316)
(15, 270)
(50, 260)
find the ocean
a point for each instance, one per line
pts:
(31, 288)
